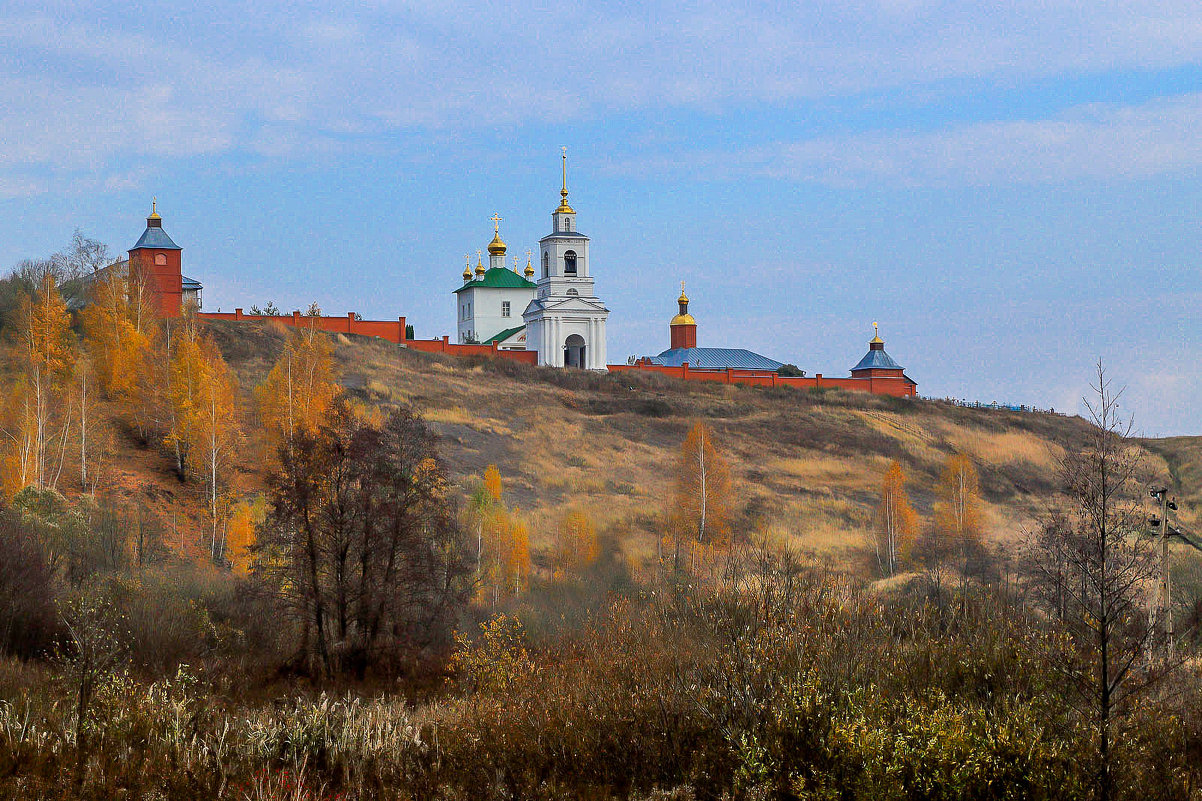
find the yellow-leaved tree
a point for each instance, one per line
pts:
(185, 377)
(702, 501)
(240, 536)
(202, 421)
(958, 517)
(896, 522)
(298, 393)
(502, 540)
(117, 336)
(575, 545)
(212, 432)
(46, 354)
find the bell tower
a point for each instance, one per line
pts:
(566, 320)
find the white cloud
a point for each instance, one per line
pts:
(87, 85)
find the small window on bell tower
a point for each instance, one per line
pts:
(546, 265)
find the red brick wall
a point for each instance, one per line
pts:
(890, 385)
(164, 281)
(385, 329)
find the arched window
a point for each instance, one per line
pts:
(569, 263)
(567, 223)
(573, 293)
(546, 264)
(160, 259)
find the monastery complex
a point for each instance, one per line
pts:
(549, 315)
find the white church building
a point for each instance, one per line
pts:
(561, 316)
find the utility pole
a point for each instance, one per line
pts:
(1165, 590)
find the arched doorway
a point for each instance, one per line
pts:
(573, 352)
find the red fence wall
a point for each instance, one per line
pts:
(385, 329)
(897, 387)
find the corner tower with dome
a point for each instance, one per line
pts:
(565, 322)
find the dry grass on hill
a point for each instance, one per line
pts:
(807, 465)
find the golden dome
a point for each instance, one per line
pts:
(154, 209)
(479, 265)
(467, 268)
(682, 319)
(496, 247)
(876, 336)
(529, 267)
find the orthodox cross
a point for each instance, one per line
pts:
(496, 223)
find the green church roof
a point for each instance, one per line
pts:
(504, 335)
(498, 278)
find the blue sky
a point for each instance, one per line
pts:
(1012, 192)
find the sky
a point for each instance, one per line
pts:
(1012, 190)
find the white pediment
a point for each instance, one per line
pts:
(570, 304)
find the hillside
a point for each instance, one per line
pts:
(807, 464)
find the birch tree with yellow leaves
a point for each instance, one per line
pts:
(212, 432)
(958, 516)
(896, 523)
(298, 393)
(701, 507)
(45, 356)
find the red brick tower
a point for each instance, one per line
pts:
(876, 363)
(156, 261)
(683, 326)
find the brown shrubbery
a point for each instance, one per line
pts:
(811, 690)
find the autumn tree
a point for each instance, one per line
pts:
(244, 517)
(118, 335)
(502, 540)
(1089, 569)
(45, 357)
(361, 541)
(574, 545)
(185, 386)
(298, 393)
(958, 516)
(212, 432)
(896, 522)
(701, 507)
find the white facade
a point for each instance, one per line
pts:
(565, 322)
(485, 311)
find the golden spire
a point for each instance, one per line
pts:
(683, 297)
(515, 262)
(479, 263)
(564, 208)
(529, 267)
(876, 336)
(496, 247)
(154, 209)
(467, 268)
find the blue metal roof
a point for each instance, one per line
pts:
(716, 359)
(877, 359)
(191, 283)
(154, 237)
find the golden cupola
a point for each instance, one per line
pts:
(467, 269)
(496, 247)
(683, 318)
(529, 271)
(479, 264)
